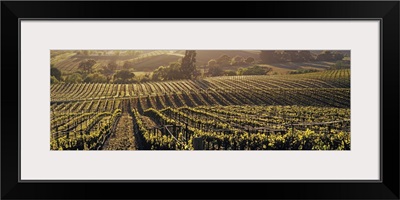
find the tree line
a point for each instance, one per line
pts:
(109, 73)
(272, 56)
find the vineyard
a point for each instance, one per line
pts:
(283, 112)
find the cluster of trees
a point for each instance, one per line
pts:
(55, 75)
(271, 56)
(107, 74)
(252, 70)
(345, 64)
(215, 66)
(110, 73)
(186, 69)
(226, 61)
(303, 71)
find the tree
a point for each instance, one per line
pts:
(124, 76)
(224, 60)
(237, 60)
(159, 74)
(74, 78)
(229, 73)
(87, 65)
(175, 72)
(112, 65)
(188, 64)
(250, 60)
(109, 69)
(56, 73)
(95, 78)
(254, 70)
(215, 71)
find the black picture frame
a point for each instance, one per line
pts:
(13, 11)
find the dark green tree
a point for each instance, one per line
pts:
(237, 60)
(215, 71)
(124, 76)
(188, 64)
(74, 78)
(56, 73)
(224, 60)
(159, 74)
(254, 70)
(229, 73)
(95, 78)
(87, 65)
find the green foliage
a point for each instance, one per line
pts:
(188, 65)
(56, 73)
(237, 61)
(74, 78)
(269, 56)
(303, 71)
(123, 76)
(172, 72)
(254, 70)
(340, 65)
(215, 71)
(235, 140)
(87, 65)
(109, 69)
(323, 97)
(95, 78)
(229, 73)
(90, 140)
(224, 60)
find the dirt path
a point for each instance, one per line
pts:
(123, 137)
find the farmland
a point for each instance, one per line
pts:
(308, 111)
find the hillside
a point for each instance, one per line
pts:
(203, 56)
